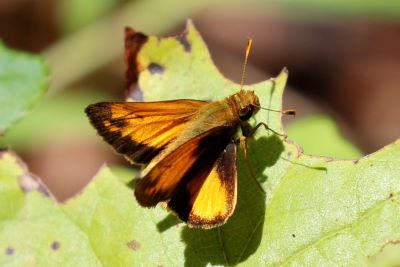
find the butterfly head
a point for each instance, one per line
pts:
(247, 104)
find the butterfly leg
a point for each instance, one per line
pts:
(251, 131)
(244, 144)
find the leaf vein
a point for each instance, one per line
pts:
(334, 233)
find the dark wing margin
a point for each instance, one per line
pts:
(141, 130)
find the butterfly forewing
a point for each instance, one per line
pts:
(140, 130)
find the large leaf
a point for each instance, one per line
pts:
(316, 211)
(23, 80)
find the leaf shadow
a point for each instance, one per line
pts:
(264, 152)
(239, 238)
(169, 221)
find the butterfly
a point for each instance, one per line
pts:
(187, 148)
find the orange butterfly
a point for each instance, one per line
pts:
(188, 148)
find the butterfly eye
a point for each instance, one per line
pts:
(245, 113)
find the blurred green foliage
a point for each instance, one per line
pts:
(23, 81)
(319, 135)
(59, 117)
(75, 14)
(318, 8)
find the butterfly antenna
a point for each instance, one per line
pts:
(284, 112)
(248, 48)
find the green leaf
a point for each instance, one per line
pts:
(97, 228)
(34, 231)
(23, 80)
(319, 135)
(309, 201)
(316, 210)
(114, 225)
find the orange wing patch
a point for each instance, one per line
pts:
(140, 130)
(214, 203)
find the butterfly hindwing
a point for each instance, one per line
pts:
(198, 179)
(195, 157)
(209, 202)
(141, 130)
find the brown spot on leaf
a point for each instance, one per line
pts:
(10, 251)
(133, 43)
(55, 245)
(329, 159)
(136, 94)
(29, 183)
(293, 235)
(155, 68)
(355, 161)
(133, 244)
(391, 197)
(182, 38)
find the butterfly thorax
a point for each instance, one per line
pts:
(231, 113)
